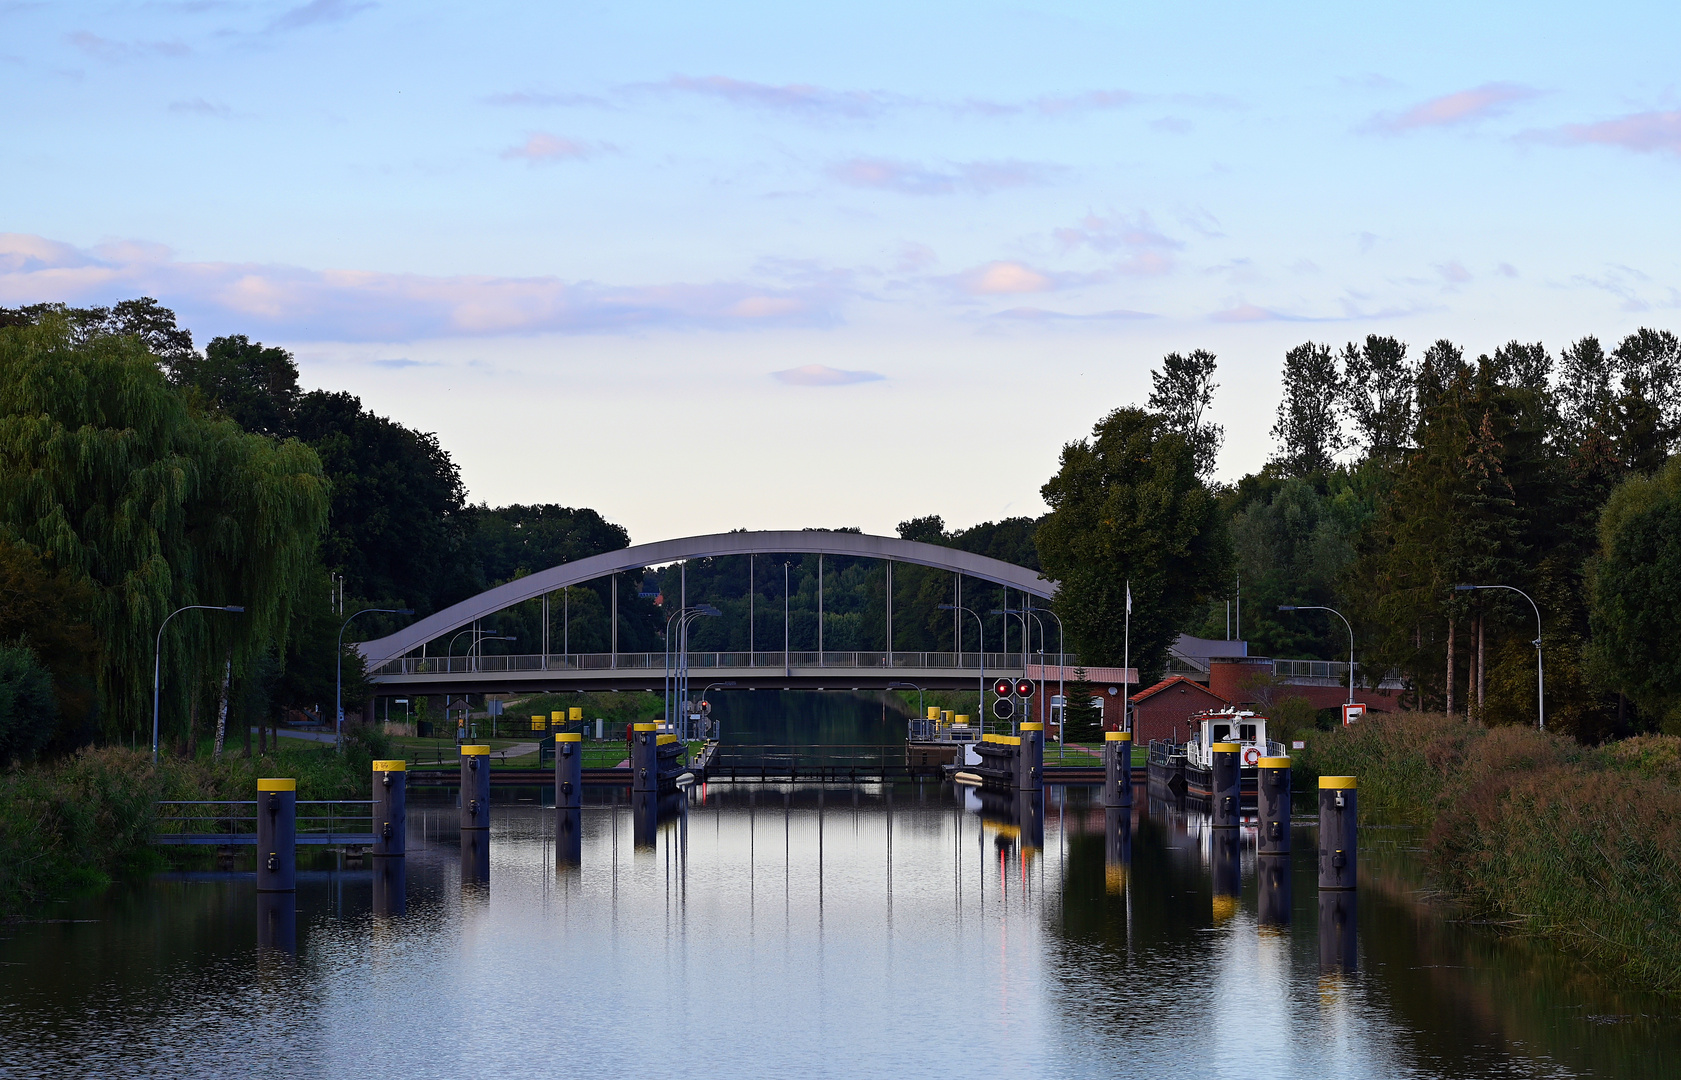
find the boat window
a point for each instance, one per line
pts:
(1222, 732)
(1246, 732)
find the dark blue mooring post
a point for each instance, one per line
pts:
(645, 816)
(1226, 847)
(1117, 848)
(1030, 763)
(390, 879)
(475, 815)
(568, 798)
(391, 819)
(1272, 802)
(1117, 768)
(1272, 883)
(1338, 840)
(1337, 909)
(644, 757)
(277, 836)
(277, 921)
(1227, 785)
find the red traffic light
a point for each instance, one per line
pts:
(1003, 688)
(1024, 688)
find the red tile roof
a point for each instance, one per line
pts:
(1171, 681)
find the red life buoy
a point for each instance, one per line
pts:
(1251, 755)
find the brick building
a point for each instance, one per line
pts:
(1161, 712)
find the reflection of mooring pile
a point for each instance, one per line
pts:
(1009, 762)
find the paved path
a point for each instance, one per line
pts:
(516, 750)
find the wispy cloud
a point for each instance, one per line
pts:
(362, 305)
(1114, 233)
(535, 99)
(910, 178)
(1450, 110)
(318, 12)
(117, 51)
(1249, 313)
(542, 148)
(1453, 271)
(1055, 104)
(1644, 133)
(1010, 278)
(399, 362)
(823, 375)
(200, 107)
(801, 99)
(1038, 314)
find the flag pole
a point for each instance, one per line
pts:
(1126, 666)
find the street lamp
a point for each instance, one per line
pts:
(1061, 667)
(1540, 678)
(157, 659)
(708, 687)
(682, 616)
(1345, 622)
(338, 683)
(980, 698)
(921, 710)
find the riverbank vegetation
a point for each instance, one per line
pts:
(1532, 830)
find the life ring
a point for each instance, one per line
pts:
(1251, 756)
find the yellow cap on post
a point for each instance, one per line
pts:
(277, 784)
(1225, 748)
(557, 716)
(645, 727)
(1337, 783)
(538, 718)
(1274, 763)
(1117, 736)
(569, 736)
(665, 740)
(1031, 726)
(391, 766)
(1002, 740)
(933, 712)
(960, 720)
(474, 751)
(575, 713)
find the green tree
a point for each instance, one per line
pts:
(28, 708)
(1636, 588)
(1378, 384)
(105, 470)
(1181, 391)
(1127, 505)
(1082, 717)
(256, 386)
(1309, 424)
(46, 610)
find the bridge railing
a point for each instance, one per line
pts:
(769, 661)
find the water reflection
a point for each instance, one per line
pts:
(792, 930)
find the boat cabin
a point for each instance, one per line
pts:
(1247, 729)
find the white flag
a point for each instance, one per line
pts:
(1129, 598)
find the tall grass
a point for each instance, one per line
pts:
(1579, 845)
(80, 822)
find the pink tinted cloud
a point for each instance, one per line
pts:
(1249, 313)
(1644, 133)
(799, 98)
(910, 178)
(824, 375)
(542, 148)
(1462, 107)
(363, 305)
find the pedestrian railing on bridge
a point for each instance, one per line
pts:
(230, 822)
(853, 660)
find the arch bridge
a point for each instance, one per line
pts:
(397, 663)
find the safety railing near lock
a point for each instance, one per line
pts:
(230, 822)
(855, 660)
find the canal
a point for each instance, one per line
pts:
(777, 931)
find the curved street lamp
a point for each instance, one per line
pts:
(980, 700)
(1540, 678)
(1345, 622)
(157, 659)
(338, 683)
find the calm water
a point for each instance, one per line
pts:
(778, 932)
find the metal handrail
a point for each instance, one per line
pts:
(863, 659)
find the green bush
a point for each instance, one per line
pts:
(28, 709)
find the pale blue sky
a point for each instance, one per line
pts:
(581, 241)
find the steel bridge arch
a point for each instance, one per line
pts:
(813, 542)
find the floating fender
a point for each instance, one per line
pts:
(968, 778)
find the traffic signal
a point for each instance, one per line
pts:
(1003, 708)
(1024, 688)
(1003, 688)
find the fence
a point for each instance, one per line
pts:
(237, 826)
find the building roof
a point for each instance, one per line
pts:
(1177, 680)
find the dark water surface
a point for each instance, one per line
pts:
(798, 931)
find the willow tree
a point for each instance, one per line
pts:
(108, 472)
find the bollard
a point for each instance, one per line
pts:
(1227, 794)
(1117, 768)
(1030, 762)
(1337, 908)
(277, 921)
(277, 836)
(575, 715)
(1272, 876)
(1226, 847)
(568, 770)
(1117, 849)
(644, 757)
(1272, 802)
(475, 787)
(1338, 841)
(390, 809)
(390, 894)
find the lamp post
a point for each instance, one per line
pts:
(1345, 622)
(338, 684)
(921, 710)
(682, 616)
(157, 659)
(980, 624)
(708, 687)
(1061, 670)
(1540, 678)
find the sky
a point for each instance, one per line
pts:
(749, 265)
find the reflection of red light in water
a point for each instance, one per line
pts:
(1024, 868)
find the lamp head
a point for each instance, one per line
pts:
(232, 607)
(403, 611)
(1464, 588)
(1287, 607)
